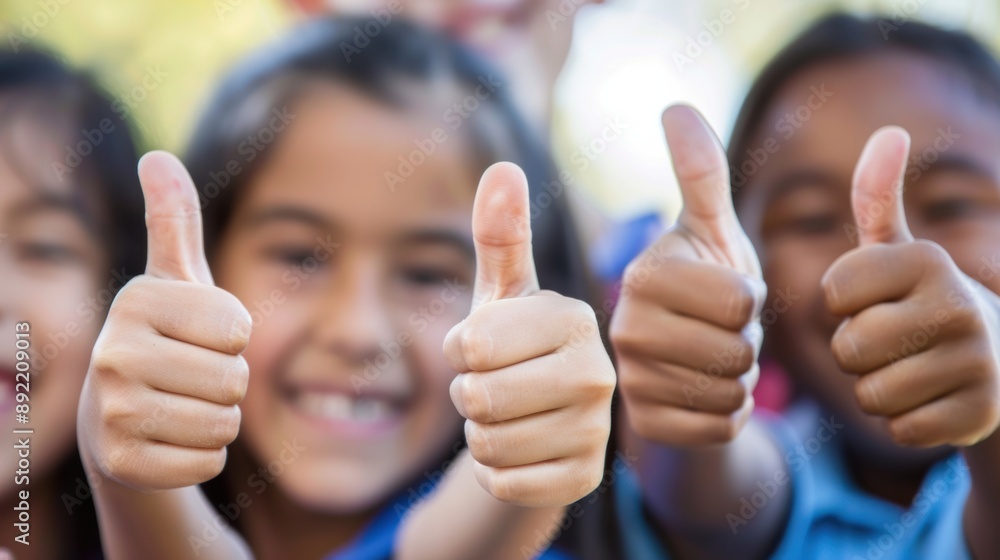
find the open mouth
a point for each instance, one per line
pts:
(345, 412)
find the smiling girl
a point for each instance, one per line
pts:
(346, 240)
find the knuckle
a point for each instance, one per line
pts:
(868, 393)
(734, 394)
(498, 485)
(227, 425)
(476, 400)
(477, 347)
(740, 304)
(635, 276)
(845, 352)
(235, 379)
(902, 433)
(931, 255)
(724, 430)
(744, 355)
(210, 466)
(480, 443)
(237, 319)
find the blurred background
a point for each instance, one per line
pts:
(628, 60)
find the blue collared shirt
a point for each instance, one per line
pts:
(831, 517)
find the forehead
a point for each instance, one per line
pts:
(366, 166)
(823, 116)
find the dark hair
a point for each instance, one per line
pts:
(38, 87)
(842, 36)
(396, 64)
(45, 89)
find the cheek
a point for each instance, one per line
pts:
(65, 319)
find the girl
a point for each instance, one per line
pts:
(891, 450)
(71, 238)
(333, 172)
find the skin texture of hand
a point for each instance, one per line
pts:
(160, 401)
(920, 335)
(535, 386)
(686, 330)
(535, 382)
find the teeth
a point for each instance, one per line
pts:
(336, 406)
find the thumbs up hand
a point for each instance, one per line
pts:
(686, 329)
(920, 334)
(534, 380)
(160, 401)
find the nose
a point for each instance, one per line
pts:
(354, 318)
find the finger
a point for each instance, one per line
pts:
(956, 420)
(700, 290)
(495, 335)
(501, 230)
(664, 384)
(163, 466)
(873, 274)
(173, 220)
(184, 421)
(683, 341)
(702, 171)
(541, 484)
(911, 382)
(538, 385)
(223, 324)
(516, 442)
(677, 426)
(186, 369)
(877, 191)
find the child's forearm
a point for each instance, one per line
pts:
(173, 524)
(696, 495)
(473, 523)
(983, 507)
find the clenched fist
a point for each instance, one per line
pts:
(686, 330)
(920, 334)
(535, 382)
(160, 401)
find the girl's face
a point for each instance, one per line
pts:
(52, 277)
(353, 280)
(797, 210)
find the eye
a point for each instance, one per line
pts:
(813, 224)
(424, 276)
(42, 252)
(945, 210)
(291, 255)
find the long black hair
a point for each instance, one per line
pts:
(61, 102)
(842, 36)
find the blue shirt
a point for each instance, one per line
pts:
(831, 518)
(375, 541)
